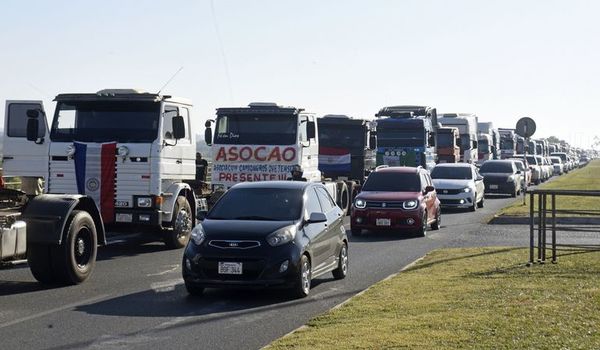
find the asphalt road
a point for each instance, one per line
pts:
(136, 297)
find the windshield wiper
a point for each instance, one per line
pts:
(254, 217)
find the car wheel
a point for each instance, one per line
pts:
(438, 220)
(474, 206)
(302, 287)
(356, 232)
(342, 269)
(193, 289)
(480, 203)
(422, 231)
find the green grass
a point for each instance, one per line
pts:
(475, 298)
(587, 178)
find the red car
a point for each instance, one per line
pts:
(396, 198)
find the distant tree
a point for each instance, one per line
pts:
(553, 139)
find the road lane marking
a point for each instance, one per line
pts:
(166, 286)
(51, 311)
(172, 269)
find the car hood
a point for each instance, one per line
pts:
(451, 184)
(388, 196)
(496, 175)
(240, 229)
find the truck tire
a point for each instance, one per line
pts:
(343, 197)
(73, 261)
(179, 233)
(40, 263)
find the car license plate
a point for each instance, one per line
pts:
(124, 217)
(383, 222)
(230, 268)
(493, 187)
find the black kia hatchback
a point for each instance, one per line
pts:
(262, 234)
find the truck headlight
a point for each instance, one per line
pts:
(198, 235)
(282, 236)
(360, 203)
(144, 202)
(411, 204)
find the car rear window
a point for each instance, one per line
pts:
(270, 204)
(392, 182)
(454, 173)
(496, 167)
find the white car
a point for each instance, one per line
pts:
(458, 185)
(558, 165)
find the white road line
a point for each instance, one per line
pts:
(172, 269)
(166, 286)
(51, 311)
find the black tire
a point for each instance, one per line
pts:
(179, 233)
(422, 231)
(343, 197)
(342, 270)
(474, 206)
(356, 232)
(74, 260)
(438, 220)
(480, 203)
(302, 286)
(194, 289)
(40, 263)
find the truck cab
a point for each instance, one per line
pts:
(508, 143)
(485, 148)
(467, 127)
(128, 150)
(448, 145)
(406, 135)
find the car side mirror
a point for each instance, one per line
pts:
(178, 127)
(429, 189)
(518, 172)
(316, 217)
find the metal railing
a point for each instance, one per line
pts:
(538, 221)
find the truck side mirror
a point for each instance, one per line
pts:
(208, 137)
(178, 127)
(33, 125)
(372, 142)
(310, 130)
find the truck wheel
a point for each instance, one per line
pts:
(40, 264)
(181, 224)
(74, 259)
(343, 197)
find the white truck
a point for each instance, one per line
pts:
(262, 142)
(466, 123)
(115, 161)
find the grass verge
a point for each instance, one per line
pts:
(586, 178)
(474, 298)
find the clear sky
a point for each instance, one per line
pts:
(502, 60)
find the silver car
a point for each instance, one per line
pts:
(458, 185)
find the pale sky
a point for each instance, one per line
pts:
(502, 60)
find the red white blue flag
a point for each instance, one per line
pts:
(95, 175)
(334, 160)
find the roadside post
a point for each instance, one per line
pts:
(525, 128)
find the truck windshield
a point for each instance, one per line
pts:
(392, 182)
(453, 173)
(256, 129)
(445, 140)
(387, 137)
(105, 121)
(341, 136)
(496, 167)
(507, 144)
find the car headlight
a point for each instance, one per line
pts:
(144, 202)
(282, 236)
(467, 189)
(360, 203)
(198, 235)
(411, 204)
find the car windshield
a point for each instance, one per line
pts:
(452, 172)
(269, 204)
(392, 182)
(496, 167)
(105, 121)
(256, 129)
(507, 144)
(519, 165)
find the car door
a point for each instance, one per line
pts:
(334, 221)
(315, 231)
(21, 156)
